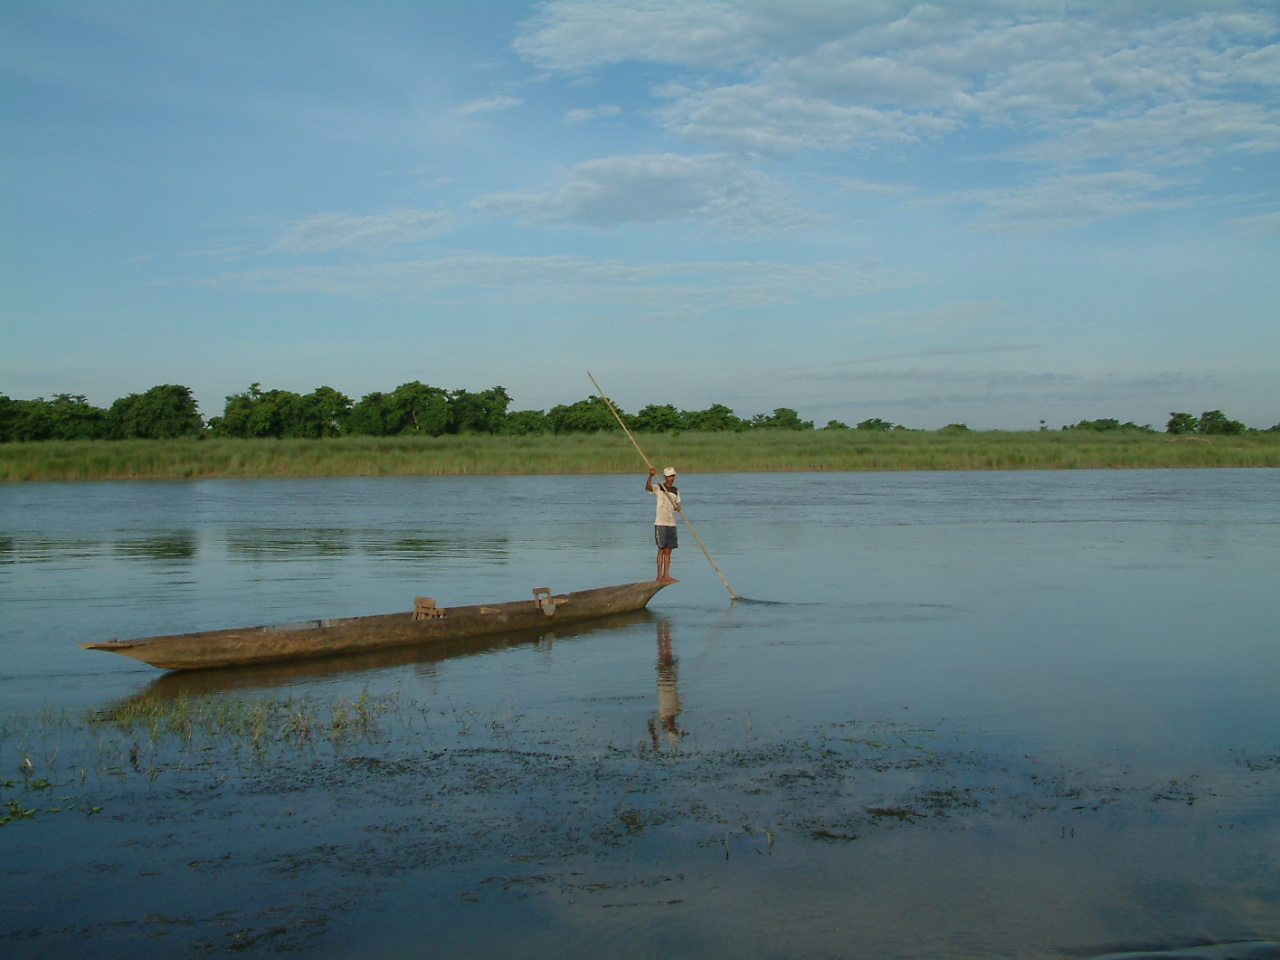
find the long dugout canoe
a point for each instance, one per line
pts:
(425, 624)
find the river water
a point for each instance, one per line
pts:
(980, 715)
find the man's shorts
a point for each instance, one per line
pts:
(665, 537)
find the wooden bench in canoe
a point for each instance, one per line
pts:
(426, 623)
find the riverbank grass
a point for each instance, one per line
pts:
(611, 453)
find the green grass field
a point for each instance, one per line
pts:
(757, 451)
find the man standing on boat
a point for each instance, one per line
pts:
(664, 529)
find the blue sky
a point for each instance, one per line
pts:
(988, 212)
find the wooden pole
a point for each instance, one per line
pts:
(647, 462)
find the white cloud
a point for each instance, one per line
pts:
(1085, 80)
(1055, 202)
(966, 316)
(335, 231)
(652, 188)
(857, 185)
(903, 389)
(588, 114)
(1262, 223)
(487, 105)
(1259, 66)
(579, 35)
(1182, 132)
(754, 119)
(692, 286)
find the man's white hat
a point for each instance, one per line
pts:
(669, 472)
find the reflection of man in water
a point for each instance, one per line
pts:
(669, 705)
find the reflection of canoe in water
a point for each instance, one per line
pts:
(426, 624)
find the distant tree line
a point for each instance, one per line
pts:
(161, 413)
(1211, 422)
(170, 411)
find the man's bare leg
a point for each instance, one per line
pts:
(664, 566)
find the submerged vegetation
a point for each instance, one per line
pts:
(610, 453)
(288, 743)
(64, 755)
(258, 822)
